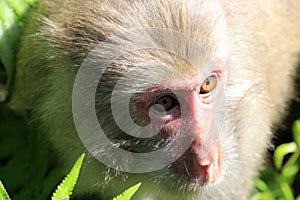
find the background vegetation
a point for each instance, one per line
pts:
(26, 169)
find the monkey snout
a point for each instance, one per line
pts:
(198, 169)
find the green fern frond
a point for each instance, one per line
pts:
(3, 193)
(127, 194)
(65, 189)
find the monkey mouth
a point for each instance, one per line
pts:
(200, 170)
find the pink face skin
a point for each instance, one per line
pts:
(196, 166)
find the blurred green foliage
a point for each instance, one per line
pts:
(25, 164)
(276, 181)
(63, 191)
(13, 14)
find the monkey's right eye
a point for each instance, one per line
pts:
(165, 103)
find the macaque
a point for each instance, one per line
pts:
(206, 81)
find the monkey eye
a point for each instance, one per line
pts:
(166, 103)
(209, 84)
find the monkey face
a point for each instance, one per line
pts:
(161, 105)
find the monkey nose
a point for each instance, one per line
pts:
(198, 169)
(211, 164)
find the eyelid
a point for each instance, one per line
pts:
(162, 95)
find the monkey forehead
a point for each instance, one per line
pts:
(167, 65)
(79, 28)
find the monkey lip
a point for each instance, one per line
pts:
(201, 170)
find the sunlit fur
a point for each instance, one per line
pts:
(258, 42)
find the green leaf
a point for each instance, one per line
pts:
(264, 196)
(291, 168)
(289, 172)
(128, 193)
(3, 193)
(65, 189)
(8, 35)
(13, 14)
(296, 131)
(19, 6)
(261, 185)
(286, 190)
(282, 151)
